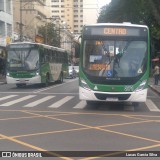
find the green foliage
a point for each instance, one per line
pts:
(51, 34)
(137, 12)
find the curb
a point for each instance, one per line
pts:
(153, 89)
(1, 83)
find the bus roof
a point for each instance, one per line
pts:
(115, 24)
(39, 44)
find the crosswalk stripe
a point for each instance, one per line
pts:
(32, 104)
(17, 100)
(7, 97)
(151, 106)
(80, 105)
(61, 102)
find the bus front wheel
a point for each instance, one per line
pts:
(47, 80)
(61, 78)
(135, 104)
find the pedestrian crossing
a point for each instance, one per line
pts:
(22, 101)
(17, 100)
(53, 102)
(61, 102)
(37, 102)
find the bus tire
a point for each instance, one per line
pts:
(91, 103)
(47, 80)
(135, 104)
(61, 78)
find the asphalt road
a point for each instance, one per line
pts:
(53, 119)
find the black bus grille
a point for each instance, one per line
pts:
(120, 97)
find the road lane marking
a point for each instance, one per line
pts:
(17, 100)
(34, 147)
(41, 90)
(7, 97)
(64, 93)
(61, 102)
(80, 105)
(51, 132)
(35, 103)
(123, 124)
(15, 92)
(116, 153)
(6, 119)
(96, 128)
(151, 106)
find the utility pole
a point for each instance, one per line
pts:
(21, 25)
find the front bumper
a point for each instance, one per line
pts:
(33, 80)
(90, 95)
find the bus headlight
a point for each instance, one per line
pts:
(37, 73)
(84, 84)
(7, 73)
(141, 86)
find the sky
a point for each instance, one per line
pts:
(102, 3)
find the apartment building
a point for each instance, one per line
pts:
(75, 13)
(27, 16)
(6, 23)
(70, 12)
(90, 11)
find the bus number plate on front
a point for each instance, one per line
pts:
(111, 99)
(22, 81)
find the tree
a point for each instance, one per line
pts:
(51, 34)
(135, 11)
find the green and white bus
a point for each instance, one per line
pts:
(114, 63)
(35, 63)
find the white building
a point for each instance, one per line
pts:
(90, 11)
(6, 23)
(75, 13)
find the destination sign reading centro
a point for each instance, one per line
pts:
(118, 31)
(115, 31)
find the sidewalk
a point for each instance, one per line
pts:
(2, 79)
(155, 88)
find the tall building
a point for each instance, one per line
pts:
(6, 23)
(28, 15)
(75, 13)
(69, 12)
(90, 11)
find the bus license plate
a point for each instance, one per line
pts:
(112, 99)
(22, 81)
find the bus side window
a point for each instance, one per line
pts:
(53, 56)
(57, 56)
(50, 56)
(47, 56)
(61, 57)
(66, 58)
(42, 51)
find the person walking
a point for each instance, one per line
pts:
(156, 74)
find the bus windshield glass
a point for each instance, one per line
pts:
(115, 59)
(23, 59)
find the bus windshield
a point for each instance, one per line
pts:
(26, 59)
(115, 59)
